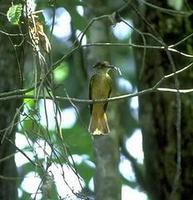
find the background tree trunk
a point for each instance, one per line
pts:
(107, 184)
(158, 110)
(9, 80)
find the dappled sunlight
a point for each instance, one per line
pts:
(129, 193)
(66, 118)
(121, 31)
(62, 27)
(134, 146)
(31, 184)
(126, 170)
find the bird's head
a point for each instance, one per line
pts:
(105, 66)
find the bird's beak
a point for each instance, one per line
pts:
(115, 68)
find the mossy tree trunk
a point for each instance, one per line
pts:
(158, 111)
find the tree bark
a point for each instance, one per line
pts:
(9, 80)
(158, 111)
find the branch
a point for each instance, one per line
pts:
(12, 34)
(20, 93)
(182, 91)
(123, 44)
(168, 11)
(16, 92)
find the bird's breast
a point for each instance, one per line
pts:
(101, 86)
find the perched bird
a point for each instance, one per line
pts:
(100, 88)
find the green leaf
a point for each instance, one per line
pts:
(14, 14)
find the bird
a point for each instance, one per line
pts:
(100, 87)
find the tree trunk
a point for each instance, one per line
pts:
(107, 184)
(9, 80)
(158, 111)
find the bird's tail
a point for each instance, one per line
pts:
(98, 124)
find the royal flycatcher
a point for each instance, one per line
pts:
(100, 88)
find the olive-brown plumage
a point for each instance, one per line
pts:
(99, 88)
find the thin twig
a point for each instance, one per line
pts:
(181, 91)
(168, 11)
(12, 34)
(119, 97)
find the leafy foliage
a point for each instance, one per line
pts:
(14, 14)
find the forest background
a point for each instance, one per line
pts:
(47, 52)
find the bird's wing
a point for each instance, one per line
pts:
(90, 92)
(110, 84)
